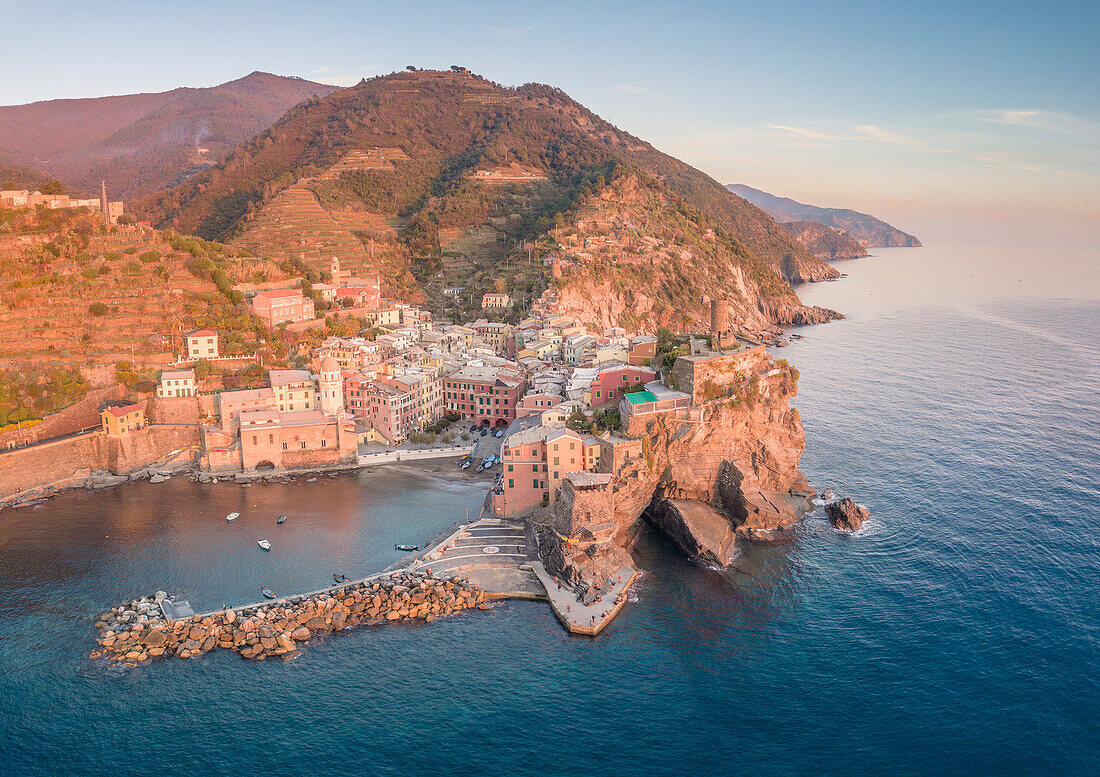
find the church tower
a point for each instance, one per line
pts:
(332, 387)
(336, 271)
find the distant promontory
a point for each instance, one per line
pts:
(866, 230)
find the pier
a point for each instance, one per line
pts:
(497, 556)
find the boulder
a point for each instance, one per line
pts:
(230, 616)
(846, 515)
(301, 634)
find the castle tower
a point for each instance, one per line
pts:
(332, 387)
(555, 267)
(104, 205)
(720, 333)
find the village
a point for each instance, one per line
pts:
(535, 404)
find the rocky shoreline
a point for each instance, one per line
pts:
(137, 633)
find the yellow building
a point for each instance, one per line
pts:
(118, 421)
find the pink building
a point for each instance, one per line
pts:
(535, 462)
(273, 440)
(488, 396)
(278, 306)
(390, 411)
(534, 403)
(609, 385)
(232, 403)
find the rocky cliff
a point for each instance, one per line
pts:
(825, 242)
(724, 468)
(633, 255)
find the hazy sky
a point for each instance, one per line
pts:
(914, 111)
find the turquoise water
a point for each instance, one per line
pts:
(957, 634)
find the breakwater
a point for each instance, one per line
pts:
(138, 633)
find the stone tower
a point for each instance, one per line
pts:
(332, 387)
(555, 267)
(336, 271)
(104, 205)
(720, 333)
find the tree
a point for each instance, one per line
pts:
(97, 309)
(52, 187)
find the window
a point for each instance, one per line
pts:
(303, 444)
(534, 467)
(324, 443)
(555, 474)
(555, 461)
(535, 483)
(253, 439)
(510, 466)
(284, 446)
(271, 438)
(511, 483)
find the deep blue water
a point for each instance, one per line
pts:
(957, 634)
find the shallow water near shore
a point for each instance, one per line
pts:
(957, 634)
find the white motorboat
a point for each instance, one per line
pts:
(264, 544)
(232, 517)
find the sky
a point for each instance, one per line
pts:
(930, 115)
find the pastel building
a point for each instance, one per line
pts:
(486, 395)
(201, 344)
(118, 421)
(293, 390)
(232, 403)
(282, 306)
(535, 461)
(611, 383)
(176, 383)
(495, 300)
(274, 440)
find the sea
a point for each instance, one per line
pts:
(957, 634)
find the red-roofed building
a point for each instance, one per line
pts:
(118, 421)
(202, 344)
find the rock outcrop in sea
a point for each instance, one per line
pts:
(137, 633)
(846, 515)
(724, 468)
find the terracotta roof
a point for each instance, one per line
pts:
(119, 412)
(203, 333)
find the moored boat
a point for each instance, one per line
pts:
(232, 517)
(282, 519)
(268, 593)
(264, 544)
(406, 547)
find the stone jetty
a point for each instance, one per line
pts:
(137, 633)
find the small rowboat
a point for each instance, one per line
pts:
(267, 592)
(340, 579)
(264, 544)
(282, 519)
(232, 517)
(406, 547)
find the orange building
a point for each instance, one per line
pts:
(535, 462)
(118, 421)
(278, 306)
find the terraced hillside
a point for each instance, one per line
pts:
(76, 294)
(482, 174)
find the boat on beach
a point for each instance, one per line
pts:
(264, 544)
(232, 517)
(267, 592)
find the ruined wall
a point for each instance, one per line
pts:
(701, 377)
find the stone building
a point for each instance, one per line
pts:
(331, 387)
(232, 403)
(721, 331)
(495, 300)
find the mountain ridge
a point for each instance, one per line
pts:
(143, 142)
(865, 229)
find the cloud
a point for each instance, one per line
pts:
(512, 31)
(802, 132)
(633, 89)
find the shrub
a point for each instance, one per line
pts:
(149, 257)
(97, 309)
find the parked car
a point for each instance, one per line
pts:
(498, 433)
(484, 432)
